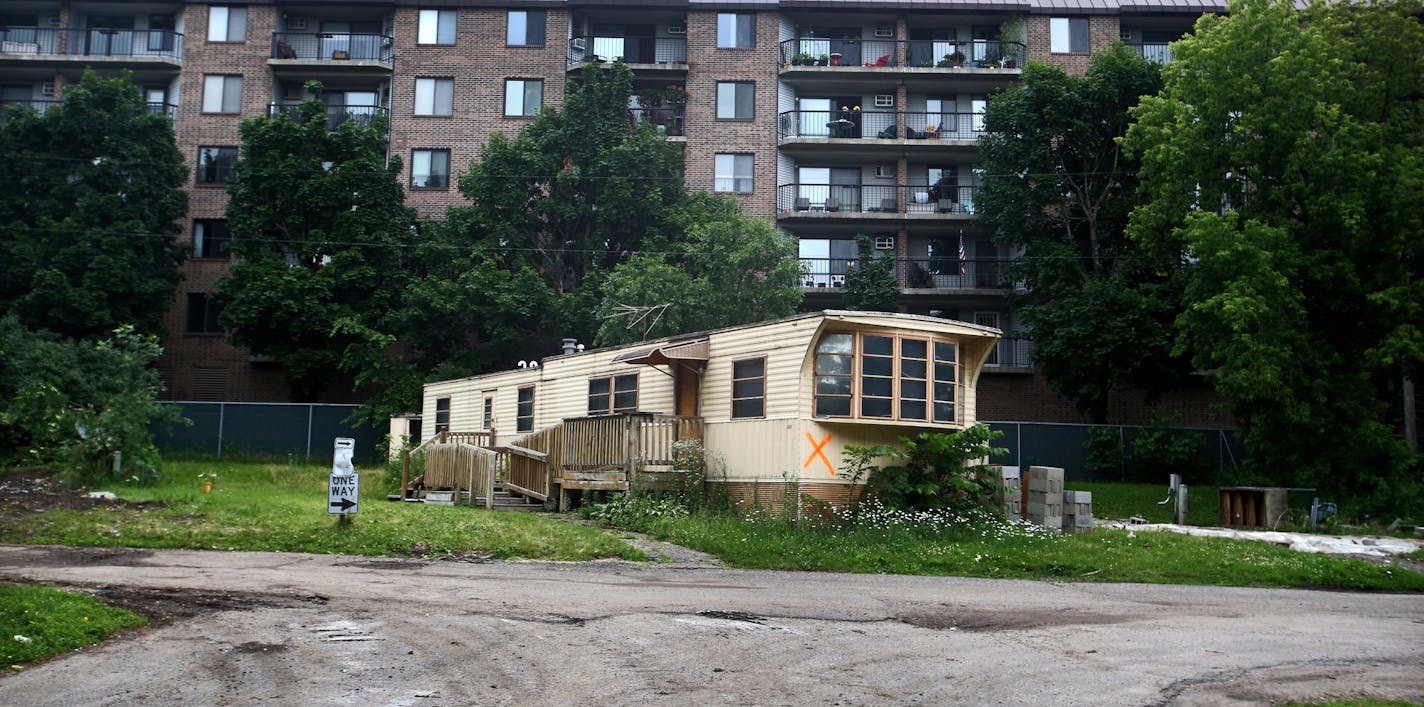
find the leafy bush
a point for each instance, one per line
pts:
(935, 471)
(79, 402)
(1159, 450)
(1105, 453)
(634, 512)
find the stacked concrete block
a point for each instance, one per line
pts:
(1077, 511)
(1008, 491)
(1045, 496)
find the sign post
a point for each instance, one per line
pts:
(343, 496)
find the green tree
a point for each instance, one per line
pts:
(1058, 188)
(721, 269)
(870, 285)
(77, 402)
(574, 194)
(320, 230)
(1284, 161)
(90, 195)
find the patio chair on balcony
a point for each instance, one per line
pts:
(833, 204)
(881, 62)
(945, 206)
(803, 203)
(886, 134)
(888, 205)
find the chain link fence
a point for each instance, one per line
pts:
(304, 430)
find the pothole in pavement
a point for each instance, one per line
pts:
(1016, 619)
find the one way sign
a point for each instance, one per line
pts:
(343, 495)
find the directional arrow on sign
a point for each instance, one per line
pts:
(343, 504)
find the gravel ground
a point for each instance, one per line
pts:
(279, 628)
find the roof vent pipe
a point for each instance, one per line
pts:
(571, 346)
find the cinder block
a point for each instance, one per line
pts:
(1045, 478)
(1077, 497)
(1047, 509)
(1055, 522)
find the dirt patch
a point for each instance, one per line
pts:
(1018, 619)
(62, 556)
(28, 492)
(165, 605)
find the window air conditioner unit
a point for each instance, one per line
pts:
(885, 243)
(677, 29)
(47, 88)
(580, 44)
(885, 171)
(885, 31)
(884, 100)
(296, 24)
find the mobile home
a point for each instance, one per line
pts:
(776, 401)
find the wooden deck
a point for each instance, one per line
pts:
(624, 452)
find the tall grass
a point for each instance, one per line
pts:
(37, 622)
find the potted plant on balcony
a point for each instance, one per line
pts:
(1011, 36)
(802, 59)
(650, 98)
(823, 60)
(675, 95)
(954, 59)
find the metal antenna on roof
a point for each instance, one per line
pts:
(640, 314)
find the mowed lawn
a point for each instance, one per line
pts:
(282, 507)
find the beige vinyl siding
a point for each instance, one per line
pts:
(784, 345)
(779, 450)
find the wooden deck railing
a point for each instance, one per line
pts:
(607, 452)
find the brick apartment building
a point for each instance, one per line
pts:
(829, 117)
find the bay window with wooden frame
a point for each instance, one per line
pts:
(885, 376)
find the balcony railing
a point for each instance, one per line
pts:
(48, 41)
(893, 53)
(1011, 353)
(668, 121)
(920, 273)
(881, 125)
(42, 105)
(857, 199)
(336, 115)
(1159, 52)
(331, 46)
(634, 50)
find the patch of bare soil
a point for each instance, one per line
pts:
(161, 606)
(28, 492)
(1017, 620)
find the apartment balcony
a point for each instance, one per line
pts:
(336, 115)
(331, 52)
(940, 275)
(138, 48)
(1157, 52)
(43, 105)
(643, 54)
(1011, 355)
(873, 202)
(667, 121)
(809, 57)
(879, 131)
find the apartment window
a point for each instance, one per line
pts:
(886, 377)
(523, 97)
(1068, 35)
(211, 239)
(736, 100)
(613, 394)
(215, 164)
(203, 311)
(222, 94)
(436, 27)
(526, 28)
(227, 24)
(442, 415)
(733, 173)
(749, 388)
(430, 169)
(434, 96)
(736, 30)
(488, 417)
(524, 410)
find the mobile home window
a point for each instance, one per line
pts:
(442, 414)
(749, 388)
(524, 410)
(488, 416)
(886, 377)
(613, 394)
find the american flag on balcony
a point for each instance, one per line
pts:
(963, 259)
